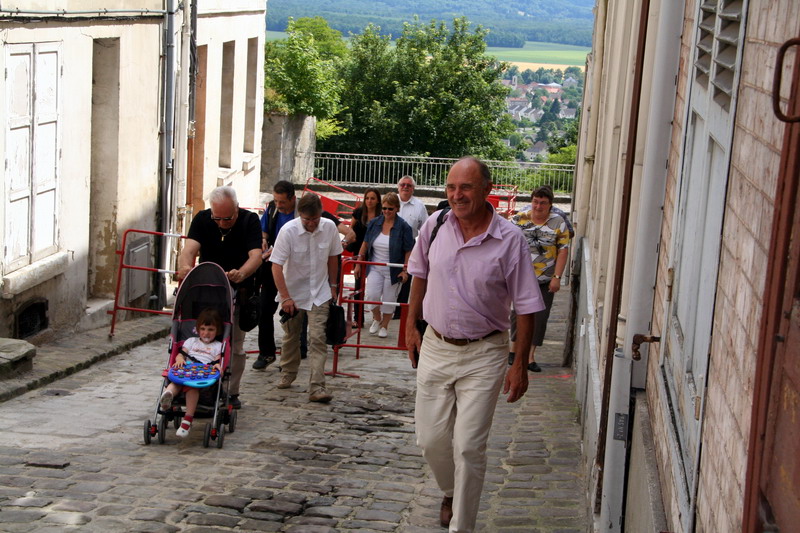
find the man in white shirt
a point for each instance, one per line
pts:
(305, 261)
(414, 212)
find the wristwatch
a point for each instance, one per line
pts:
(556, 276)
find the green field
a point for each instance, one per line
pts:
(557, 55)
(275, 35)
(542, 53)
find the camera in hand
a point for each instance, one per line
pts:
(286, 316)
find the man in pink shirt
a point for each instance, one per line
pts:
(464, 284)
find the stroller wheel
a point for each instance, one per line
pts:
(207, 435)
(147, 435)
(176, 420)
(162, 429)
(220, 435)
(232, 421)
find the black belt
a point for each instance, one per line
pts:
(462, 342)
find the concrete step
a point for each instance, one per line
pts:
(16, 356)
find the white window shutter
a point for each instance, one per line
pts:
(45, 165)
(19, 107)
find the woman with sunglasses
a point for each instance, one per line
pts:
(388, 239)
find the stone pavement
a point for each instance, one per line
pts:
(73, 456)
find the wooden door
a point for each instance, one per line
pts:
(772, 493)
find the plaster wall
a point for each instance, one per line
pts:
(131, 200)
(81, 5)
(215, 28)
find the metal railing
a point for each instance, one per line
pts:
(371, 169)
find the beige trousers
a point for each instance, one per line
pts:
(457, 391)
(317, 349)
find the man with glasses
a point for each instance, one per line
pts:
(229, 236)
(305, 261)
(414, 212)
(282, 209)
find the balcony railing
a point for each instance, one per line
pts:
(432, 171)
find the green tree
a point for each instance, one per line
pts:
(327, 41)
(564, 156)
(297, 80)
(435, 93)
(510, 72)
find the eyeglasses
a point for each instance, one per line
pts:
(406, 185)
(224, 219)
(387, 208)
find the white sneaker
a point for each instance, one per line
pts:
(383, 333)
(183, 429)
(373, 329)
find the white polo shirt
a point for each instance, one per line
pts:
(414, 213)
(304, 258)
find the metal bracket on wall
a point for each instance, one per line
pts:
(776, 82)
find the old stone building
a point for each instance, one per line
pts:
(686, 258)
(117, 115)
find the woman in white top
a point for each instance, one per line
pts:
(388, 239)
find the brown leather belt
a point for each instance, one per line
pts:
(462, 342)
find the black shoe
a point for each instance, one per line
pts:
(510, 358)
(263, 362)
(233, 399)
(534, 367)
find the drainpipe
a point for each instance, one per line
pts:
(167, 135)
(192, 123)
(614, 516)
(183, 128)
(114, 13)
(654, 176)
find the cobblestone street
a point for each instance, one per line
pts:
(73, 455)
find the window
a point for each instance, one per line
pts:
(33, 79)
(698, 222)
(226, 104)
(717, 48)
(251, 107)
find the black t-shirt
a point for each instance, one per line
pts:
(230, 252)
(359, 228)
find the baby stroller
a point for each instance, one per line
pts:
(206, 285)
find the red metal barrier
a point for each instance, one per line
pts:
(123, 265)
(504, 199)
(354, 293)
(340, 208)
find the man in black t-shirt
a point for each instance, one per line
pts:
(230, 237)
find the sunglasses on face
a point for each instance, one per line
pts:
(406, 185)
(387, 208)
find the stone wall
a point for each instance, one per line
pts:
(287, 151)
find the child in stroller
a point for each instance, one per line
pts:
(204, 349)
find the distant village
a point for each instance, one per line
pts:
(541, 111)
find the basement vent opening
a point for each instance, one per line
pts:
(32, 319)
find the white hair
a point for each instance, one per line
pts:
(414, 183)
(221, 194)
